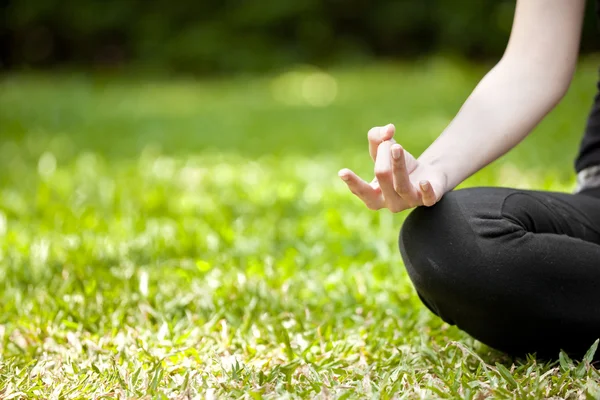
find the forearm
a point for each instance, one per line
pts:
(506, 105)
(510, 101)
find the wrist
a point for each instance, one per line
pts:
(439, 171)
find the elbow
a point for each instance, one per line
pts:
(548, 78)
(557, 88)
(552, 72)
(559, 82)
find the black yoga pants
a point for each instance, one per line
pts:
(518, 270)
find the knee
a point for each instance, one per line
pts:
(433, 239)
(458, 256)
(425, 226)
(440, 250)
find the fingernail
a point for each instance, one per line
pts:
(396, 152)
(343, 176)
(423, 184)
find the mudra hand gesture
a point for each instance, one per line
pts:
(401, 181)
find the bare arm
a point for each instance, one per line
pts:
(530, 79)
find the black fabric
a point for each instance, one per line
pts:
(519, 270)
(589, 150)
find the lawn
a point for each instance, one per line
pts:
(189, 238)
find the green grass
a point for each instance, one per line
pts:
(184, 238)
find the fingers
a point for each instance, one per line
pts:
(370, 195)
(402, 184)
(423, 195)
(378, 135)
(427, 194)
(383, 172)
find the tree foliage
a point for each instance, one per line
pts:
(234, 35)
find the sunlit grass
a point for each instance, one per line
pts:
(191, 238)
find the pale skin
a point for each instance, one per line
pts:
(531, 78)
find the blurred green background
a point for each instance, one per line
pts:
(251, 35)
(271, 76)
(260, 78)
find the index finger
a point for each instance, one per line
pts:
(370, 194)
(377, 135)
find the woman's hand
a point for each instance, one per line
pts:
(401, 182)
